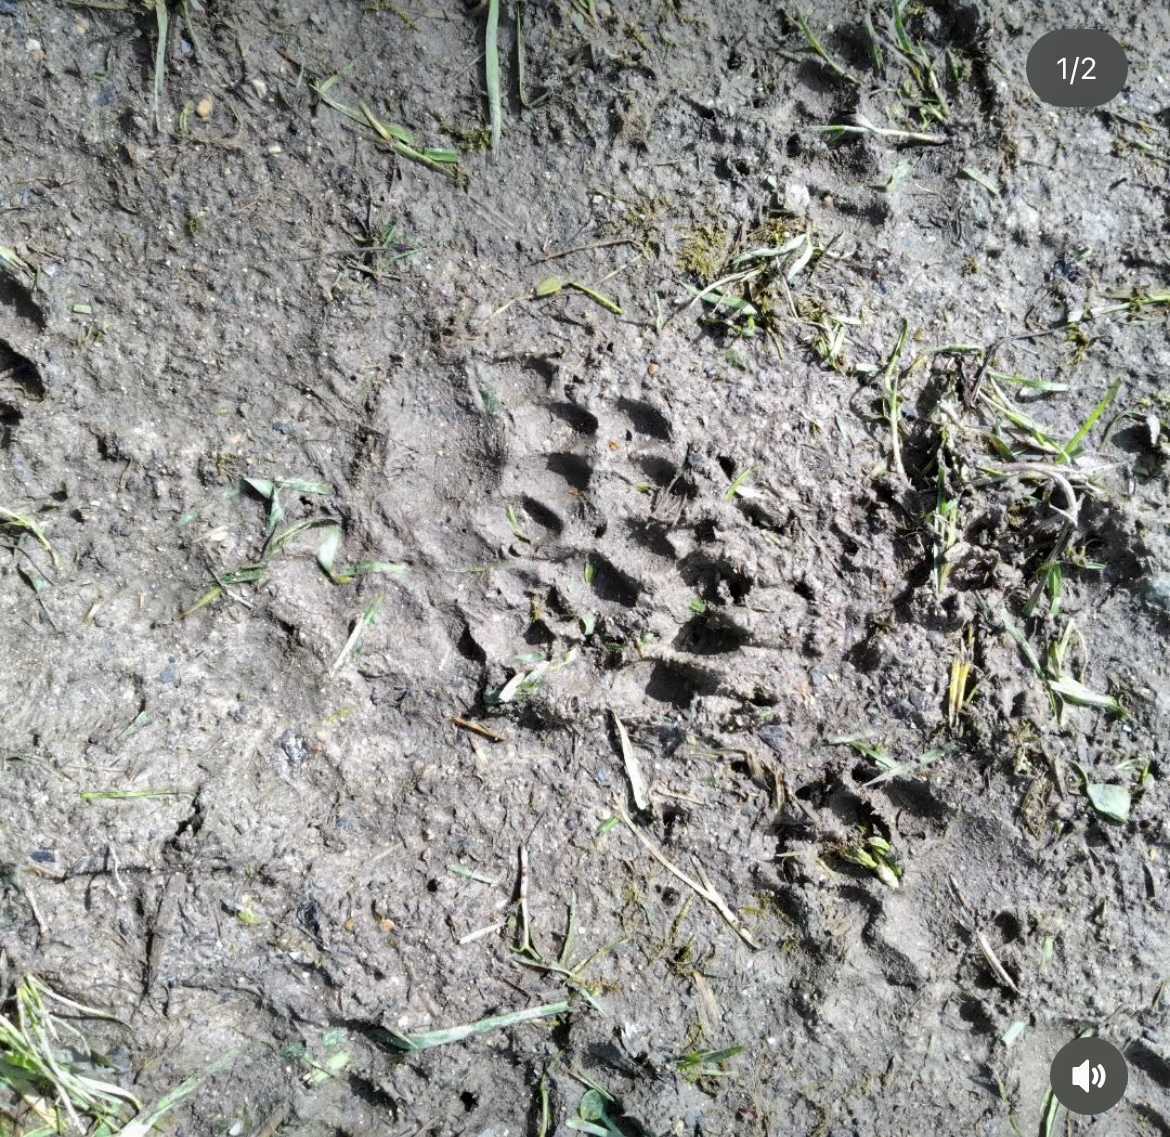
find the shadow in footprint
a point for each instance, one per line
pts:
(542, 515)
(611, 583)
(678, 684)
(708, 635)
(647, 420)
(16, 295)
(573, 468)
(581, 420)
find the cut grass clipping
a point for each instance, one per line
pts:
(415, 1042)
(367, 620)
(19, 522)
(47, 1085)
(553, 285)
(399, 139)
(276, 540)
(639, 788)
(702, 887)
(491, 65)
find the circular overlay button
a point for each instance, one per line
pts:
(1077, 67)
(1089, 1075)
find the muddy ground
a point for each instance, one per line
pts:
(689, 517)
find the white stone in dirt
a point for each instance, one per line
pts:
(796, 198)
(1159, 589)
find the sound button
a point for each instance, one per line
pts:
(1089, 1076)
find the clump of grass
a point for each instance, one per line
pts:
(876, 854)
(47, 1085)
(926, 94)
(753, 291)
(1062, 681)
(831, 338)
(699, 1064)
(277, 540)
(943, 524)
(528, 954)
(1031, 452)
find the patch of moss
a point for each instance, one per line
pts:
(704, 253)
(471, 140)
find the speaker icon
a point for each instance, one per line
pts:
(1088, 1077)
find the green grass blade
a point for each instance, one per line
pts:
(367, 619)
(415, 1042)
(597, 297)
(492, 70)
(125, 795)
(146, 1121)
(163, 20)
(1073, 691)
(327, 552)
(819, 50)
(736, 487)
(20, 521)
(1073, 446)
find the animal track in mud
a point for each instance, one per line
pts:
(708, 635)
(678, 683)
(581, 420)
(612, 583)
(646, 419)
(575, 469)
(20, 381)
(652, 537)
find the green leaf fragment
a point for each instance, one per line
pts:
(327, 556)
(323, 1071)
(416, 1042)
(1074, 691)
(1110, 801)
(367, 619)
(982, 179)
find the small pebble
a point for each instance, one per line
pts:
(796, 199)
(260, 87)
(204, 107)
